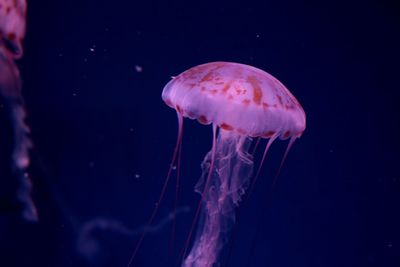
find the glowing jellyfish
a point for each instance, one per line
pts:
(241, 102)
(12, 33)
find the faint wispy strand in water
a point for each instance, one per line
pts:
(89, 246)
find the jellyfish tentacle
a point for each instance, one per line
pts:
(274, 181)
(267, 147)
(89, 246)
(290, 144)
(163, 190)
(178, 174)
(255, 146)
(206, 185)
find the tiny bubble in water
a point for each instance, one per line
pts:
(138, 68)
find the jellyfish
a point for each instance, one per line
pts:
(12, 33)
(242, 103)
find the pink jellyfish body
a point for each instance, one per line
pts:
(12, 33)
(241, 102)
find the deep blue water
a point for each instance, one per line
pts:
(104, 138)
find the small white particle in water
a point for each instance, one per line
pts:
(73, 94)
(92, 48)
(85, 59)
(60, 55)
(257, 36)
(137, 176)
(173, 167)
(138, 68)
(131, 129)
(389, 245)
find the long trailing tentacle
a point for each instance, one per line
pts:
(269, 195)
(163, 190)
(290, 144)
(270, 141)
(178, 175)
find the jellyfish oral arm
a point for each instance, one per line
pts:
(223, 186)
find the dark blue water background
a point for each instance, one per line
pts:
(104, 138)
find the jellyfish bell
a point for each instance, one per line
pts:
(236, 97)
(241, 102)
